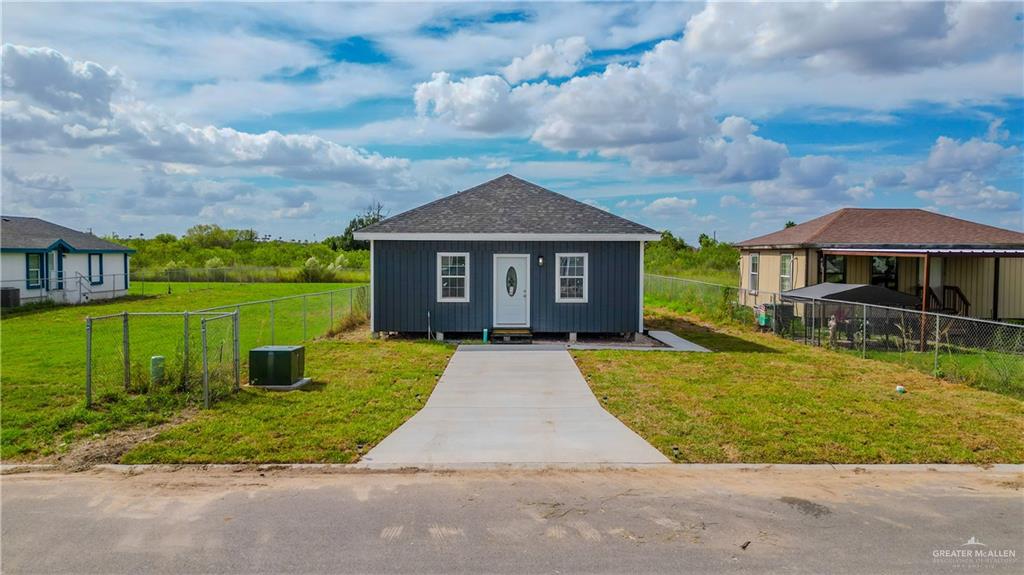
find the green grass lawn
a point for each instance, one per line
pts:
(362, 391)
(760, 398)
(992, 371)
(42, 359)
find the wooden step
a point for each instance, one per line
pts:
(511, 335)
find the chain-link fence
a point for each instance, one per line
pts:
(158, 353)
(201, 353)
(982, 353)
(72, 288)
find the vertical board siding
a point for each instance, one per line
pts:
(1011, 288)
(405, 287)
(974, 276)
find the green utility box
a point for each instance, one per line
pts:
(277, 366)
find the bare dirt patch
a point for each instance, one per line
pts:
(110, 447)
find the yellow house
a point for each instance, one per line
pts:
(972, 269)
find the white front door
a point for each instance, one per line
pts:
(511, 290)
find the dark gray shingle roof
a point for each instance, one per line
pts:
(507, 205)
(18, 232)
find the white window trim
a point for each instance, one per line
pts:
(452, 299)
(751, 273)
(559, 276)
(792, 265)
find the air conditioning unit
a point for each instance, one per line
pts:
(10, 297)
(278, 367)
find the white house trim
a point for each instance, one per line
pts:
(441, 299)
(559, 276)
(641, 329)
(372, 275)
(507, 237)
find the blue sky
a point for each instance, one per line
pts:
(725, 118)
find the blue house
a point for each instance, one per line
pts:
(508, 256)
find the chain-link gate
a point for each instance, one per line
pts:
(200, 352)
(142, 352)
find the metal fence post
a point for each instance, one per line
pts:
(350, 310)
(238, 360)
(88, 362)
(864, 332)
(185, 346)
(206, 369)
(935, 366)
(304, 318)
(126, 350)
(271, 322)
(332, 311)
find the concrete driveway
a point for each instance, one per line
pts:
(501, 405)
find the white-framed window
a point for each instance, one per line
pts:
(755, 265)
(785, 272)
(33, 271)
(96, 269)
(452, 277)
(571, 278)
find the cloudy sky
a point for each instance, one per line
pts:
(730, 118)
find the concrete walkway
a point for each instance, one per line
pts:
(512, 407)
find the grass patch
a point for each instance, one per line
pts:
(362, 391)
(761, 399)
(42, 384)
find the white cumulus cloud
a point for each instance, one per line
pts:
(556, 60)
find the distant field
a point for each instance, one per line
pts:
(42, 385)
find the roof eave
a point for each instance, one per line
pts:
(536, 237)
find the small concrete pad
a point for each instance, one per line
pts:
(675, 342)
(501, 406)
(297, 385)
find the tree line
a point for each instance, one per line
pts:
(211, 246)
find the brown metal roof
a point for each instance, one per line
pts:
(885, 227)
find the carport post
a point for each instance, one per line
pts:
(126, 350)
(88, 362)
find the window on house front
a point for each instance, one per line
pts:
(571, 278)
(95, 269)
(834, 269)
(453, 277)
(755, 265)
(785, 272)
(33, 271)
(883, 271)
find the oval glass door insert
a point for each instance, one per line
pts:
(511, 280)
